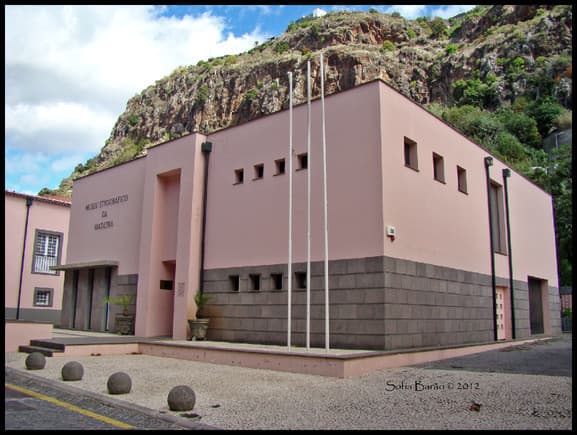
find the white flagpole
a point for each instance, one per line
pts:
(290, 225)
(325, 207)
(308, 339)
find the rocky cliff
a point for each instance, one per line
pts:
(506, 47)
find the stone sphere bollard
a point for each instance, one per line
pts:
(35, 361)
(72, 371)
(181, 398)
(119, 383)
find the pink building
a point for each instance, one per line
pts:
(413, 258)
(36, 231)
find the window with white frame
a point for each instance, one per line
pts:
(46, 251)
(43, 297)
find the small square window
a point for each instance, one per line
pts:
(276, 279)
(461, 179)
(254, 282)
(279, 166)
(234, 282)
(239, 176)
(43, 297)
(438, 168)
(301, 280)
(258, 171)
(410, 148)
(303, 161)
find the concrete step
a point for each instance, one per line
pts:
(50, 344)
(44, 350)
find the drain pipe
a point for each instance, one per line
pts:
(28, 204)
(506, 175)
(206, 149)
(489, 163)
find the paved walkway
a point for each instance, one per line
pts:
(232, 397)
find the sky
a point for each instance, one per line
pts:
(70, 70)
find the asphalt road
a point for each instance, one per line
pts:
(546, 357)
(37, 404)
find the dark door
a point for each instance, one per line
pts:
(535, 306)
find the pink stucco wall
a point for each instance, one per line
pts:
(18, 333)
(171, 225)
(44, 215)
(247, 224)
(439, 225)
(121, 241)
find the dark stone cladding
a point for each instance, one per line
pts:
(75, 307)
(378, 303)
(34, 314)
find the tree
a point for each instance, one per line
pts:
(522, 126)
(439, 28)
(560, 184)
(545, 111)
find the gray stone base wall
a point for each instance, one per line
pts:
(555, 311)
(34, 314)
(379, 303)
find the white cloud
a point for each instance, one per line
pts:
(319, 12)
(57, 127)
(409, 12)
(449, 11)
(71, 69)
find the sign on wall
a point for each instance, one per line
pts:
(103, 205)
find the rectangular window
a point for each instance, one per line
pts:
(238, 176)
(411, 154)
(254, 281)
(302, 161)
(234, 282)
(258, 171)
(497, 219)
(276, 279)
(438, 168)
(462, 179)
(47, 247)
(279, 166)
(166, 284)
(43, 297)
(301, 280)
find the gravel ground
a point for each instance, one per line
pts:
(404, 398)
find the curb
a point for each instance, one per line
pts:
(111, 401)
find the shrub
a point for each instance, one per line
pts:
(204, 65)
(387, 46)
(314, 30)
(508, 146)
(450, 49)
(545, 111)
(201, 95)
(250, 95)
(522, 126)
(282, 47)
(411, 33)
(439, 28)
(231, 59)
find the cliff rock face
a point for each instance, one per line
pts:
(421, 58)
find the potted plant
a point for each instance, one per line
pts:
(199, 324)
(124, 320)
